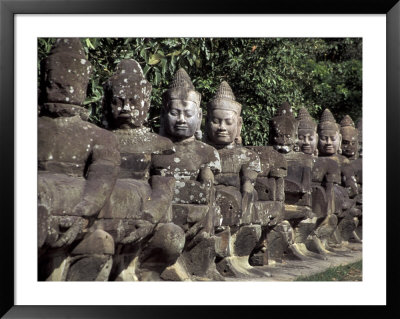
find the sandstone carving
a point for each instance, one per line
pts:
(122, 203)
(78, 164)
(193, 166)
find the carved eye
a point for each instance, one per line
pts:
(173, 113)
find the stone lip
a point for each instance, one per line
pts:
(292, 269)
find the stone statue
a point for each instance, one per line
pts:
(78, 164)
(329, 145)
(307, 133)
(350, 149)
(325, 174)
(193, 166)
(138, 214)
(235, 193)
(297, 212)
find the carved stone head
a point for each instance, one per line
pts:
(307, 133)
(329, 138)
(223, 117)
(349, 137)
(126, 96)
(181, 114)
(65, 73)
(359, 128)
(283, 134)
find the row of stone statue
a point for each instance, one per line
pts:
(124, 203)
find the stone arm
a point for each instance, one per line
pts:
(249, 173)
(212, 167)
(349, 180)
(101, 176)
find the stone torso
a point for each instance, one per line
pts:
(136, 147)
(233, 161)
(186, 163)
(66, 144)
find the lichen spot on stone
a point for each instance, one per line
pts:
(83, 61)
(69, 71)
(142, 103)
(74, 157)
(67, 99)
(126, 80)
(177, 159)
(123, 71)
(119, 108)
(71, 89)
(143, 82)
(50, 157)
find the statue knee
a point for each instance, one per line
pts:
(163, 248)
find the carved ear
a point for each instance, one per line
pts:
(238, 138)
(340, 144)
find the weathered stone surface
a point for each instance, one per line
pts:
(268, 212)
(223, 243)
(163, 249)
(98, 242)
(65, 73)
(246, 239)
(90, 268)
(278, 241)
(176, 272)
(188, 214)
(200, 260)
(229, 199)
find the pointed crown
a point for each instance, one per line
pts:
(347, 121)
(181, 88)
(285, 110)
(305, 120)
(128, 79)
(225, 99)
(284, 118)
(327, 121)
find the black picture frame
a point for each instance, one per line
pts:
(8, 10)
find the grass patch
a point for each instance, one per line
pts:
(350, 272)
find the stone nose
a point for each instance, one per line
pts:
(181, 118)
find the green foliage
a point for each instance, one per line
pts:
(263, 73)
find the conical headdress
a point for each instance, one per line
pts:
(285, 110)
(284, 119)
(305, 120)
(347, 128)
(327, 121)
(225, 99)
(181, 88)
(347, 121)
